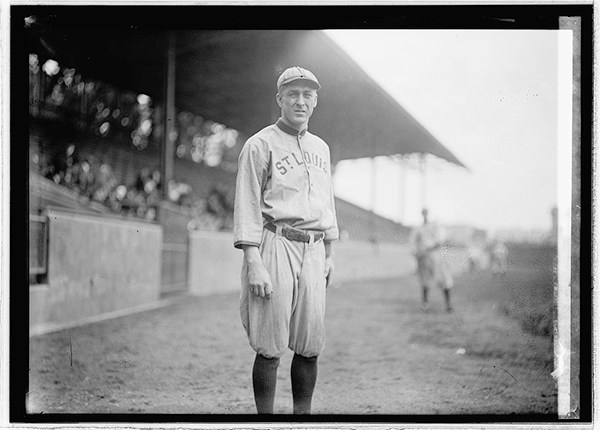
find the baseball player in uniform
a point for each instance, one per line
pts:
(427, 241)
(285, 221)
(499, 258)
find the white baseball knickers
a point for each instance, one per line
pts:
(294, 317)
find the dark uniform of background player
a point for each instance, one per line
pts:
(284, 220)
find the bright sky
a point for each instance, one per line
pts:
(490, 97)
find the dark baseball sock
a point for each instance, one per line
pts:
(447, 297)
(425, 291)
(304, 379)
(264, 381)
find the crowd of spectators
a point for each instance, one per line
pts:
(95, 180)
(63, 95)
(215, 212)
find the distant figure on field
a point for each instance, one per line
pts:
(476, 258)
(426, 242)
(499, 258)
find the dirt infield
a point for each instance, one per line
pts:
(383, 356)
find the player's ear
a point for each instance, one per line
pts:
(278, 98)
(316, 99)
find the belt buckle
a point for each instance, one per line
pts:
(295, 235)
(292, 233)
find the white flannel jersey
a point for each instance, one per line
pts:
(283, 176)
(426, 236)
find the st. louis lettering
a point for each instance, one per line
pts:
(281, 168)
(299, 162)
(310, 158)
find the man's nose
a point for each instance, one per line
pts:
(301, 100)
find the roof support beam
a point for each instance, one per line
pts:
(169, 132)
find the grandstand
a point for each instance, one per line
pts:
(127, 162)
(103, 160)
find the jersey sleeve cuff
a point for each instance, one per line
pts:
(331, 237)
(240, 243)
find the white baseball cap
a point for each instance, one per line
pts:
(297, 73)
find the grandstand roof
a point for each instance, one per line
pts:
(229, 75)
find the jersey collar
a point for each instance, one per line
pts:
(289, 130)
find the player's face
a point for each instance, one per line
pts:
(297, 102)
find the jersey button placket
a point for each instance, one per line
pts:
(307, 173)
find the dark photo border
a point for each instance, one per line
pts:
(148, 17)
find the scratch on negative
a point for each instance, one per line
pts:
(32, 388)
(456, 317)
(506, 372)
(71, 348)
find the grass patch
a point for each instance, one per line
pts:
(529, 288)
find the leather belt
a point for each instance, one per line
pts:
(295, 234)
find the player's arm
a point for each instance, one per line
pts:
(248, 222)
(329, 267)
(414, 242)
(259, 280)
(331, 234)
(251, 180)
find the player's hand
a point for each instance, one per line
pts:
(329, 269)
(259, 280)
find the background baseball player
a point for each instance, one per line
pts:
(284, 220)
(499, 257)
(427, 241)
